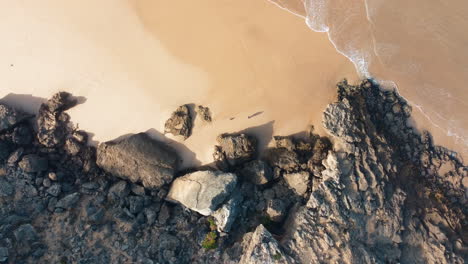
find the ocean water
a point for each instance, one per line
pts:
(418, 47)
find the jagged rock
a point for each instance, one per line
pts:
(180, 122)
(54, 190)
(284, 142)
(10, 117)
(118, 191)
(257, 172)
(235, 149)
(320, 151)
(33, 163)
(138, 158)
(339, 119)
(299, 181)
(22, 135)
(72, 146)
(204, 113)
(68, 201)
(276, 210)
(202, 191)
(263, 248)
(52, 121)
(6, 188)
(282, 158)
(227, 214)
(25, 232)
(135, 204)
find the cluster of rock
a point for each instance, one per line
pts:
(385, 195)
(181, 121)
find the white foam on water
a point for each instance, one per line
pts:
(351, 25)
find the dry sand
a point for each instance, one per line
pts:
(136, 61)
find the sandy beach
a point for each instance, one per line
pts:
(136, 61)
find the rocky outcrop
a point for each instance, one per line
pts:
(382, 197)
(180, 122)
(52, 121)
(202, 191)
(262, 248)
(10, 117)
(234, 149)
(140, 159)
(382, 193)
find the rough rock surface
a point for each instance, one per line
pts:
(383, 198)
(298, 181)
(180, 122)
(257, 172)
(382, 194)
(204, 113)
(52, 120)
(139, 159)
(262, 248)
(10, 117)
(33, 163)
(202, 191)
(234, 149)
(226, 215)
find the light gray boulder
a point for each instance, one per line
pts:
(202, 191)
(138, 158)
(261, 248)
(226, 215)
(298, 181)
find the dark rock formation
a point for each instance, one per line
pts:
(383, 198)
(139, 159)
(10, 117)
(33, 163)
(257, 172)
(382, 194)
(180, 122)
(234, 149)
(204, 113)
(52, 121)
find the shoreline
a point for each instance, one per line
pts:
(132, 189)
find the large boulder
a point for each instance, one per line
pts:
(9, 117)
(203, 191)
(138, 158)
(260, 247)
(180, 122)
(234, 149)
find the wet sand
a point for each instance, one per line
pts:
(419, 45)
(136, 61)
